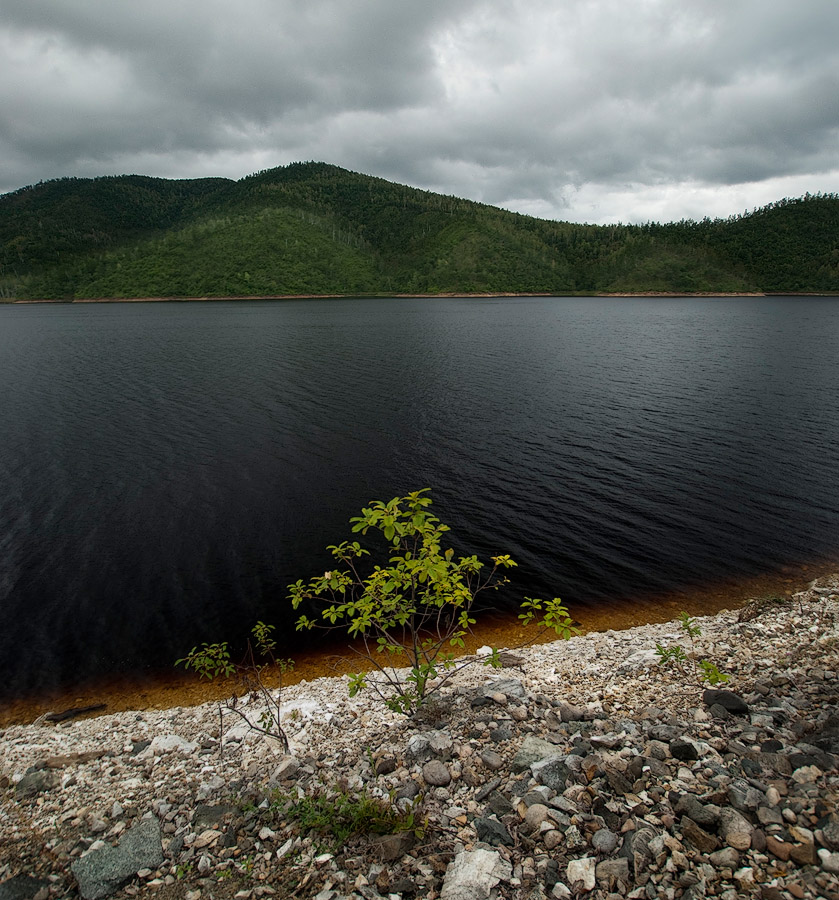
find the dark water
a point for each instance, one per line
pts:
(167, 469)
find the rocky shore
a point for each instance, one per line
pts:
(582, 769)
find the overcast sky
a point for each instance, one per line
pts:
(584, 110)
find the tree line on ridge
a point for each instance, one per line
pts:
(313, 228)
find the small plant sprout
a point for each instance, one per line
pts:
(213, 660)
(414, 611)
(703, 669)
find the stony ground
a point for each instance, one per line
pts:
(584, 768)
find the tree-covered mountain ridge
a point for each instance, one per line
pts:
(314, 228)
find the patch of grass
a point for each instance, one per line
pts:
(339, 815)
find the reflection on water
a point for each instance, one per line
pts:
(168, 469)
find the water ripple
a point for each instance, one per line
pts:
(167, 469)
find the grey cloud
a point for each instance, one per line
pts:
(531, 105)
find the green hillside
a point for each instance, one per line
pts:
(315, 228)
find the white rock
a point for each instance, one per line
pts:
(211, 786)
(829, 861)
(472, 875)
(807, 774)
(643, 659)
(582, 872)
(169, 743)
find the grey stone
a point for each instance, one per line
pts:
(532, 750)
(419, 748)
(511, 687)
(829, 861)
(487, 789)
(728, 700)
(684, 749)
(570, 713)
(407, 791)
(574, 838)
(742, 796)
(539, 794)
(170, 743)
(705, 815)
(38, 782)
(734, 829)
(424, 745)
(493, 832)
(287, 768)
(21, 887)
(830, 831)
(665, 733)
(535, 815)
(207, 815)
(552, 773)
(436, 774)
(727, 858)
(769, 816)
(440, 743)
(604, 841)
(101, 872)
(501, 734)
(637, 767)
(491, 759)
(500, 805)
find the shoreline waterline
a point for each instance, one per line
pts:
(402, 295)
(176, 688)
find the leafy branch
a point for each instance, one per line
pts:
(415, 611)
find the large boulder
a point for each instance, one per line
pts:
(100, 872)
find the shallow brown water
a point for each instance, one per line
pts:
(177, 688)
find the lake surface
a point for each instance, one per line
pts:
(166, 469)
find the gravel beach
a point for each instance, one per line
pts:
(583, 768)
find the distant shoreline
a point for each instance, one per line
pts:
(449, 294)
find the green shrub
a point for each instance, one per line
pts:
(414, 611)
(213, 660)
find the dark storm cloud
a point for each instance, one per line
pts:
(593, 110)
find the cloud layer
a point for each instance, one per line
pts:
(589, 110)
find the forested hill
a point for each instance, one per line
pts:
(315, 228)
